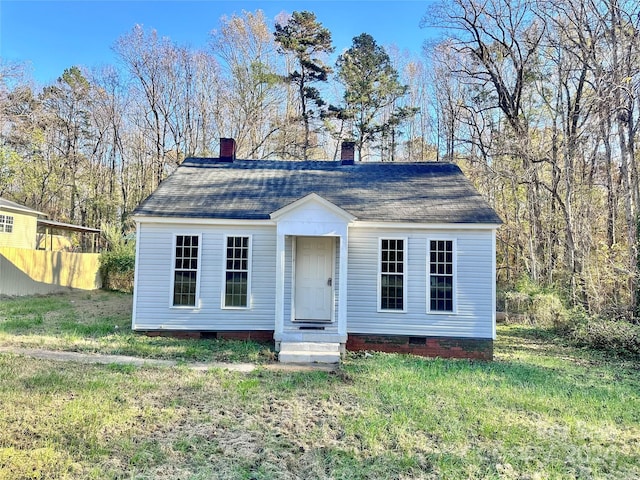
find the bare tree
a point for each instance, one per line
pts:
(252, 88)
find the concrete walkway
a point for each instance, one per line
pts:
(79, 357)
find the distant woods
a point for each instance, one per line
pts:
(538, 101)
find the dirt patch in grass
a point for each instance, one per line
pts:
(99, 304)
(262, 431)
(53, 314)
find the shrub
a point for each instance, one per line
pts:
(614, 336)
(548, 310)
(544, 307)
(117, 264)
(117, 270)
(529, 303)
(517, 306)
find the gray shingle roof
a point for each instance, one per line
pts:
(252, 189)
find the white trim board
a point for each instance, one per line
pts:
(424, 226)
(203, 221)
(352, 224)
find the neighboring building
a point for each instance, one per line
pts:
(35, 260)
(18, 225)
(319, 256)
(24, 227)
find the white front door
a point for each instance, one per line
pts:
(314, 270)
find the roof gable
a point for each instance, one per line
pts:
(312, 206)
(312, 215)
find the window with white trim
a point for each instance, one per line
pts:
(441, 275)
(185, 278)
(236, 282)
(392, 271)
(6, 223)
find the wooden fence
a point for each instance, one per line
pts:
(29, 272)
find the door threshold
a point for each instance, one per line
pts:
(320, 322)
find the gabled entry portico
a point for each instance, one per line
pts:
(311, 279)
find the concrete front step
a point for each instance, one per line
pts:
(299, 336)
(310, 347)
(309, 352)
(308, 357)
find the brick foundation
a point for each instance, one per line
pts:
(260, 336)
(445, 347)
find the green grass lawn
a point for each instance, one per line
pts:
(541, 410)
(100, 322)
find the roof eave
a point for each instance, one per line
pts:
(23, 210)
(381, 224)
(186, 220)
(426, 225)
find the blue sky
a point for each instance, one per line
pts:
(53, 35)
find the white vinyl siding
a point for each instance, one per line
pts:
(154, 269)
(473, 315)
(474, 282)
(237, 273)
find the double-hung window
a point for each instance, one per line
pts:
(441, 276)
(185, 273)
(391, 288)
(237, 275)
(6, 223)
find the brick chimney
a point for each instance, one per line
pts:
(227, 149)
(347, 153)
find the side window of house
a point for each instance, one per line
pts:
(237, 275)
(6, 223)
(185, 280)
(392, 271)
(441, 275)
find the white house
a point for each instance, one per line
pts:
(319, 256)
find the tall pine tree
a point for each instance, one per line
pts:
(371, 85)
(306, 40)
